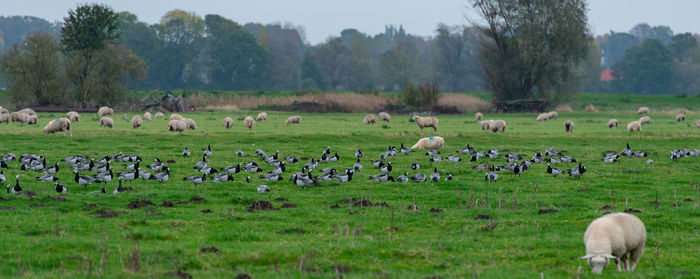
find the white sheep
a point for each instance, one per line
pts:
(429, 143)
(147, 116)
(177, 126)
(4, 118)
(423, 122)
(159, 115)
(107, 122)
(176, 116)
(73, 116)
(384, 116)
(28, 111)
(497, 126)
(612, 123)
(261, 116)
(4, 110)
(485, 124)
(19, 117)
(643, 110)
(478, 116)
(645, 120)
(618, 236)
(102, 111)
(58, 125)
(680, 117)
(552, 115)
(569, 126)
(370, 119)
(249, 122)
(136, 121)
(31, 120)
(634, 126)
(294, 119)
(191, 124)
(542, 117)
(228, 122)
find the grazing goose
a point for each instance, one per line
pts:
(201, 164)
(38, 165)
(239, 153)
(196, 179)
(157, 165)
(52, 169)
(383, 177)
(403, 178)
(105, 177)
(454, 159)
(16, 189)
(415, 166)
(291, 159)
(435, 159)
(3, 164)
(342, 177)
(326, 176)
(101, 168)
(162, 176)
(84, 165)
(481, 167)
(60, 188)
(626, 151)
(554, 160)
(492, 175)
(549, 152)
(537, 159)
(377, 163)
(208, 170)
(311, 165)
(9, 157)
(247, 179)
(2, 177)
(334, 158)
(303, 182)
(432, 153)
(493, 153)
(350, 171)
(386, 168)
(419, 177)
(232, 169)
(280, 169)
(145, 175)
(327, 151)
(577, 171)
(271, 177)
(186, 152)
(357, 166)
(253, 169)
(119, 188)
(207, 153)
(103, 191)
(129, 176)
(133, 166)
(435, 176)
(638, 154)
(263, 189)
(47, 178)
(358, 153)
(467, 150)
(405, 150)
(449, 177)
(104, 160)
(567, 159)
(553, 171)
(84, 180)
(222, 177)
(610, 158)
(74, 159)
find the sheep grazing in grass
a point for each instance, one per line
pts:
(370, 119)
(569, 126)
(136, 122)
(58, 125)
(105, 111)
(107, 122)
(249, 122)
(228, 122)
(612, 123)
(634, 126)
(485, 124)
(19, 117)
(147, 116)
(553, 115)
(542, 117)
(73, 116)
(4, 118)
(159, 115)
(261, 116)
(384, 116)
(619, 236)
(177, 126)
(28, 111)
(643, 110)
(478, 116)
(176, 116)
(191, 124)
(429, 143)
(645, 120)
(423, 122)
(680, 117)
(294, 119)
(31, 120)
(4, 110)
(497, 126)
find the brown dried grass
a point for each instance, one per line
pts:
(590, 108)
(464, 103)
(349, 102)
(563, 108)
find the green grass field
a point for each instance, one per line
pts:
(45, 236)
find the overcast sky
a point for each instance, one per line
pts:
(324, 18)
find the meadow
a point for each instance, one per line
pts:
(523, 226)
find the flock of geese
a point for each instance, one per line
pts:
(312, 172)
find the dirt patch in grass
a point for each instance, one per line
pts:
(362, 203)
(29, 194)
(261, 205)
(632, 210)
(179, 274)
(206, 211)
(56, 199)
(654, 203)
(547, 211)
(242, 276)
(3, 199)
(688, 200)
(335, 206)
(211, 249)
(170, 161)
(412, 207)
(288, 205)
(140, 203)
(198, 200)
(7, 208)
(483, 217)
(90, 206)
(37, 205)
(281, 199)
(341, 268)
(435, 210)
(105, 213)
(382, 204)
(607, 207)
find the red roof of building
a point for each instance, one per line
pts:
(606, 75)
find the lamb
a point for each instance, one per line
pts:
(19, 117)
(177, 126)
(497, 126)
(176, 116)
(73, 116)
(478, 116)
(542, 117)
(58, 125)
(294, 119)
(147, 116)
(619, 236)
(569, 126)
(261, 116)
(634, 126)
(228, 122)
(28, 111)
(370, 119)
(383, 116)
(645, 120)
(136, 121)
(191, 124)
(159, 115)
(106, 122)
(4, 110)
(249, 122)
(4, 118)
(429, 143)
(680, 117)
(426, 122)
(31, 120)
(105, 111)
(643, 110)
(612, 123)
(553, 115)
